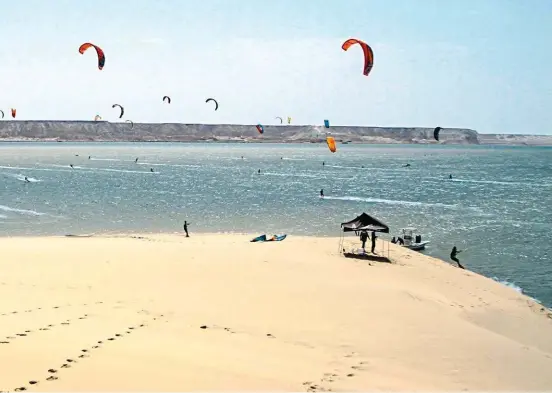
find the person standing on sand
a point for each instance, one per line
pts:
(453, 254)
(363, 238)
(373, 241)
(186, 228)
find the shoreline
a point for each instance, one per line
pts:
(215, 312)
(180, 234)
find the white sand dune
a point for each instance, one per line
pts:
(125, 313)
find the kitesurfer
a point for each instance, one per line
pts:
(151, 169)
(453, 254)
(71, 165)
(406, 166)
(89, 157)
(450, 176)
(136, 160)
(323, 163)
(27, 180)
(259, 172)
(322, 193)
(186, 228)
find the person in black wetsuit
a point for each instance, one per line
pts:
(453, 254)
(186, 228)
(374, 237)
(27, 180)
(363, 238)
(322, 193)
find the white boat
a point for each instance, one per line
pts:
(412, 242)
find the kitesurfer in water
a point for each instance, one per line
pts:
(450, 176)
(406, 166)
(151, 169)
(322, 193)
(27, 180)
(259, 172)
(453, 254)
(186, 228)
(71, 165)
(323, 163)
(89, 157)
(136, 160)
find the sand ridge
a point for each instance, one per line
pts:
(215, 312)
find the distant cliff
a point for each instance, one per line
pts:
(102, 131)
(175, 132)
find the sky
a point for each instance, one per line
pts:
(479, 64)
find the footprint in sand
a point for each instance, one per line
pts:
(51, 378)
(95, 347)
(21, 334)
(100, 342)
(52, 371)
(21, 389)
(65, 365)
(111, 339)
(70, 360)
(4, 342)
(33, 382)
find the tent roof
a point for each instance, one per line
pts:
(364, 222)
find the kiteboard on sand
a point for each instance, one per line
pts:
(274, 238)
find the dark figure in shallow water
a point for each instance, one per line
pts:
(323, 163)
(322, 193)
(151, 169)
(186, 228)
(71, 165)
(136, 160)
(406, 166)
(27, 180)
(450, 176)
(259, 172)
(453, 254)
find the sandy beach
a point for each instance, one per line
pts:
(216, 312)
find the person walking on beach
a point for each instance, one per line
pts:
(186, 228)
(453, 254)
(373, 241)
(363, 238)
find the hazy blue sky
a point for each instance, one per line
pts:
(481, 64)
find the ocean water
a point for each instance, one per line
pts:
(497, 207)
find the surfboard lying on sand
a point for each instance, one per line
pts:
(274, 238)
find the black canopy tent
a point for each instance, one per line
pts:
(364, 222)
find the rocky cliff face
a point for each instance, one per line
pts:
(174, 132)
